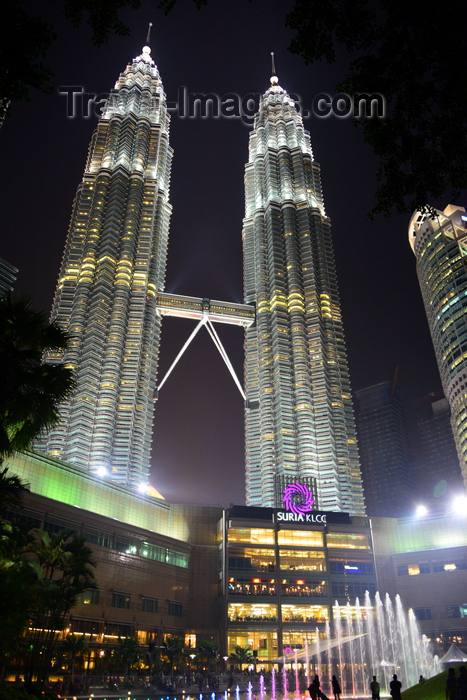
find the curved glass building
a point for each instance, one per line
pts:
(440, 246)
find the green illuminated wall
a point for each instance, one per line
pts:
(392, 536)
(69, 484)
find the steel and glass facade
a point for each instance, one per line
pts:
(440, 247)
(112, 270)
(299, 417)
(384, 450)
(282, 581)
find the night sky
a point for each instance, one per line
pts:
(198, 448)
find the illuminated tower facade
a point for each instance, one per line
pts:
(299, 417)
(113, 267)
(440, 246)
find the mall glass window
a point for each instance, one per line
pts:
(424, 567)
(348, 540)
(353, 590)
(152, 551)
(248, 586)
(413, 569)
(305, 613)
(56, 525)
(422, 613)
(299, 638)
(177, 558)
(455, 611)
(190, 641)
(252, 612)
(301, 538)
(251, 535)
(90, 627)
(301, 560)
(402, 570)
(175, 609)
(124, 544)
(343, 566)
(449, 566)
(90, 597)
(121, 600)
(356, 613)
(263, 641)
(248, 559)
(149, 605)
(115, 630)
(302, 589)
(99, 537)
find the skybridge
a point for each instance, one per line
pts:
(206, 312)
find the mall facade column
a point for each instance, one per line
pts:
(299, 416)
(113, 266)
(439, 242)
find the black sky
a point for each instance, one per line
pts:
(198, 450)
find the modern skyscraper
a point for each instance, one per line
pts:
(299, 417)
(113, 266)
(439, 467)
(384, 450)
(8, 273)
(440, 246)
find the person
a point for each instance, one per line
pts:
(421, 679)
(374, 687)
(336, 689)
(462, 684)
(314, 689)
(451, 685)
(395, 688)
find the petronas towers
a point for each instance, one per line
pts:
(299, 420)
(113, 266)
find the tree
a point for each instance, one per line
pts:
(208, 650)
(398, 50)
(30, 390)
(17, 586)
(173, 647)
(25, 69)
(11, 490)
(62, 565)
(74, 646)
(16, 577)
(242, 655)
(128, 653)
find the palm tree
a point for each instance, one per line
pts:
(129, 653)
(17, 582)
(209, 650)
(173, 648)
(242, 655)
(63, 570)
(74, 646)
(11, 490)
(30, 390)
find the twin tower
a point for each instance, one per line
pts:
(299, 425)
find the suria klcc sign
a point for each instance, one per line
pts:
(298, 501)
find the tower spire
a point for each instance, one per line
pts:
(148, 38)
(272, 63)
(274, 78)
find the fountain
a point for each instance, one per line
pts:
(380, 639)
(374, 638)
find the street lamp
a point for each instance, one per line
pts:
(459, 505)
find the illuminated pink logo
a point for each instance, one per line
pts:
(298, 498)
